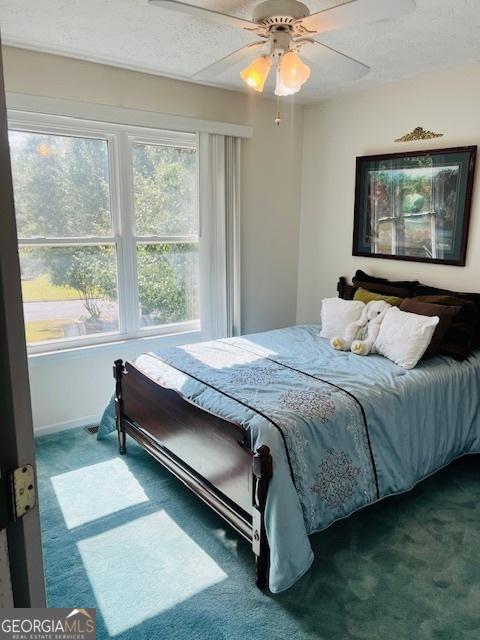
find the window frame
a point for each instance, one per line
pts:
(120, 140)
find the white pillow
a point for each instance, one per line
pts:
(404, 337)
(337, 314)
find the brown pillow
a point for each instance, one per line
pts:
(470, 315)
(458, 342)
(444, 298)
(459, 339)
(446, 313)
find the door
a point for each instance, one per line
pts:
(6, 595)
(21, 537)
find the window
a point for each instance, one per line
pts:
(166, 222)
(107, 221)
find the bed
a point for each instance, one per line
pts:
(282, 435)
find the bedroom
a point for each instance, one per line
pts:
(277, 206)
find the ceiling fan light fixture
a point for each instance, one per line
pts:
(284, 27)
(257, 72)
(293, 71)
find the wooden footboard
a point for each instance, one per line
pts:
(207, 453)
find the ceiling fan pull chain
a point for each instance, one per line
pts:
(278, 118)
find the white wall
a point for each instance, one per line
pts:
(73, 390)
(365, 123)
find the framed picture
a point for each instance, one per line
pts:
(414, 206)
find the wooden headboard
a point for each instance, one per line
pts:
(345, 290)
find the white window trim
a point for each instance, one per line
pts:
(106, 113)
(119, 139)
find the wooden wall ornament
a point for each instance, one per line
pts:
(419, 133)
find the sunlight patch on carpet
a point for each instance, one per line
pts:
(96, 491)
(143, 568)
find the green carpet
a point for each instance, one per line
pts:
(121, 534)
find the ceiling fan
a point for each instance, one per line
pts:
(286, 27)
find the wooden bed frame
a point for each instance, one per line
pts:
(207, 453)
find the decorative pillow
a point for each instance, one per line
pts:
(444, 312)
(427, 290)
(462, 335)
(367, 296)
(404, 337)
(469, 317)
(444, 298)
(337, 314)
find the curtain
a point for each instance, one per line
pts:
(219, 191)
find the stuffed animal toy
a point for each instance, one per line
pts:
(360, 336)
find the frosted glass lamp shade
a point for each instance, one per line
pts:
(281, 89)
(257, 72)
(293, 72)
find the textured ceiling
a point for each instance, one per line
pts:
(133, 34)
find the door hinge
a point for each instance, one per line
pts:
(22, 491)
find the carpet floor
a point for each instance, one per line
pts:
(122, 535)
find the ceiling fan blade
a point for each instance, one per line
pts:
(200, 12)
(337, 63)
(231, 60)
(352, 13)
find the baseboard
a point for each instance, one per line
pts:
(86, 421)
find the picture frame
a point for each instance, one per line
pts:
(414, 205)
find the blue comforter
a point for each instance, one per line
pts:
(344, 430)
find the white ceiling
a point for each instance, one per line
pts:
(133, 34)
